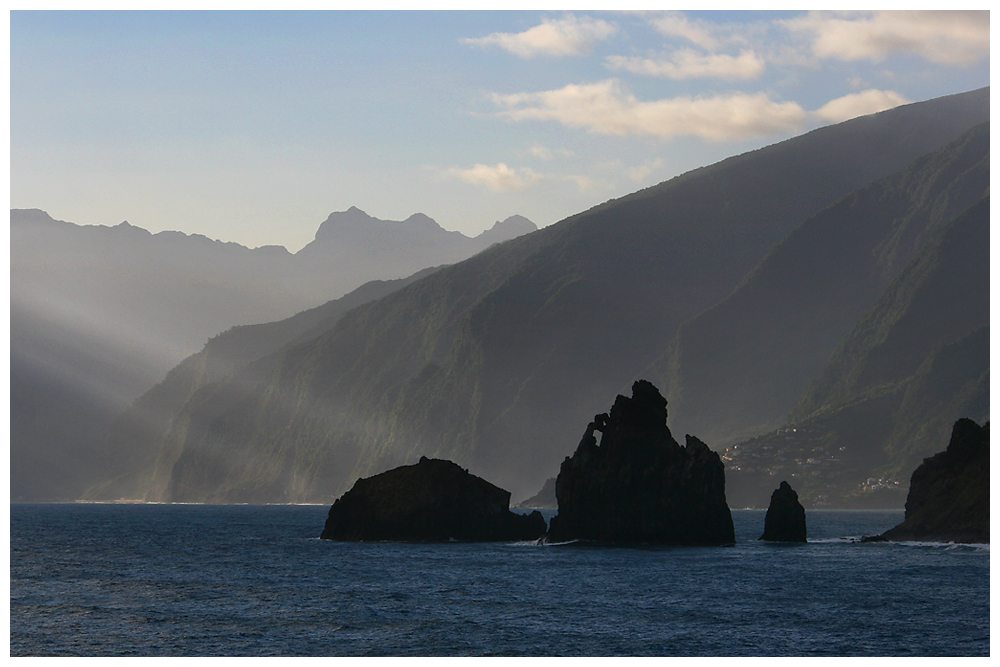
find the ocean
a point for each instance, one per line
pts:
(244, 580)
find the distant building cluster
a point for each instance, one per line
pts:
(877, 483)
(789, 452)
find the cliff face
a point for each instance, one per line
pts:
(949, 498)
(432, 501)
(916, 361)
(793, 309)
(639, 485)
(99, 314)
(493, 361)
(785, 520)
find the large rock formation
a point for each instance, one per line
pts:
(432, 501)
(639, 485)
(785, 520)
(949, 498)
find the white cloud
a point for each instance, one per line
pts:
(686, 64)
(544, 153)
(948, 37)
(675, 24)
(503, 178)
(541, 152)
(859, 104)
(569, 36)
(606, 108)
(500, 178)
(639, 173)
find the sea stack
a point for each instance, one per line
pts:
(949, 496)
(639, 485)
(785, 520)
(432, 501)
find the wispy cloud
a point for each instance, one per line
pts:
(687, 64)
(582, 183)
(569, 36)
(675, 24)
(545, 153)
(640, 172)
(499, 178)
(859, 104)
(948, 37)
(503, 178)
(607, 108)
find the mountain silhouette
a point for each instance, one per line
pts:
(493, 362)
(100, 314)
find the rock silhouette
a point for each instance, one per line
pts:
(639, 485)
(785, 520)
(949, 497)
(432, 501)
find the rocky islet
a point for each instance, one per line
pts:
(949, 496)
(785, 520)
(432, 501)
(639, 485)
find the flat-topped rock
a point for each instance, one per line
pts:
(639, 485)
(785, 520)
(432, 501)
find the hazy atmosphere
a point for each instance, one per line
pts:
(500, 333)
(253, 127)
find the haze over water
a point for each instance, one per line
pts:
(811, 294)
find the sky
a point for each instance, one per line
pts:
(254, 126)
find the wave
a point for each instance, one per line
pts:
(835, 540)
(528, 543)
(971, 547)
(948, 546)
(560, 544)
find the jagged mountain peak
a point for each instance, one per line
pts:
(421, 219)
(354, 231)
(354, 221)
(511, 227)
(124, 227)
(518, 222)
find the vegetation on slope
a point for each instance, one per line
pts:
(915, 362)
(497, 361)
(737, 369)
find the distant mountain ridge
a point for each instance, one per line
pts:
(497, 361)
(355, 242)
(99, 314)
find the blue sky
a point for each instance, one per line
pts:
(252, 127)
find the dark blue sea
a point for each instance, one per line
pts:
(193, 580)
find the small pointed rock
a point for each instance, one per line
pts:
(786, 518)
